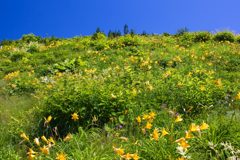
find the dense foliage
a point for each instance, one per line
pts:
(127, 92)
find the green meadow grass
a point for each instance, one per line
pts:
(129, 97)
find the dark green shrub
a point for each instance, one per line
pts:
(33, 48)
(186, 39)
(202, 37)
(86, 97)
(129, 40)
(49, 40)
(16, 56)
(99, 45)
(98, 36)
(224, 36)
(30, 38)
(6, 42)
(166, 34)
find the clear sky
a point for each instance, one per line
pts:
(68, 18)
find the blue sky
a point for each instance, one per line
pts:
(68, 18)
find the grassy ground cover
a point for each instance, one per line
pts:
(129, 97)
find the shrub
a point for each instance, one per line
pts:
(98, 36)
(87, 97)
(202, 36)
(129, 40)
(186, 39)
(30, 38)
(166, 34)
(6, 42)
(224, 36)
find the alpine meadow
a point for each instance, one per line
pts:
(121, 97)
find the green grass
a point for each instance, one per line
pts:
(108, 83)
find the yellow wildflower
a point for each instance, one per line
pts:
(164, 132)
(145, 117)
(11, 75)
(24, 136)
(152, 115)
(75, 116)
(44, 150)
(188, 135)
(202, 88)
(44, 139)
(138, 119)
(48, 119)
(36, 141)
(31, 154)
(118, 151)
(94, 119)
(204, 126)
(61, 156)
(51, 140)
(148, 125)
(184, 144)
(238, 96)
(68, 137)
(194, 127)
(218, 82)
(127, 156)
(135, 156)
(178, 119)
(167, 74)
(155, 134)
(180, 140)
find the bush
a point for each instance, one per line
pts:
(85, 97)
(129, 40)
(98, 36)
(186, 39)
(30, 38)
(202, 37)
(224, 36)
(6, 42)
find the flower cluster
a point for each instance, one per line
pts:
(43, 144)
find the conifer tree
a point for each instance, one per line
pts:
(125, 29)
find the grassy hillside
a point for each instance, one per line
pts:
(130, 97)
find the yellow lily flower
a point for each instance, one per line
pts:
(36, 141)
(138, 119)
(135, 156)
(24, 136)
(155, 134)
(188, 135)
(238, 96)
(75, 116)
(44, 139)
(61, 156)
(194, 127)
(178, 119)
(204, 126)
(68, 137)
(164, 132)
(119, 151)
(44, 150)
(148, 125)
